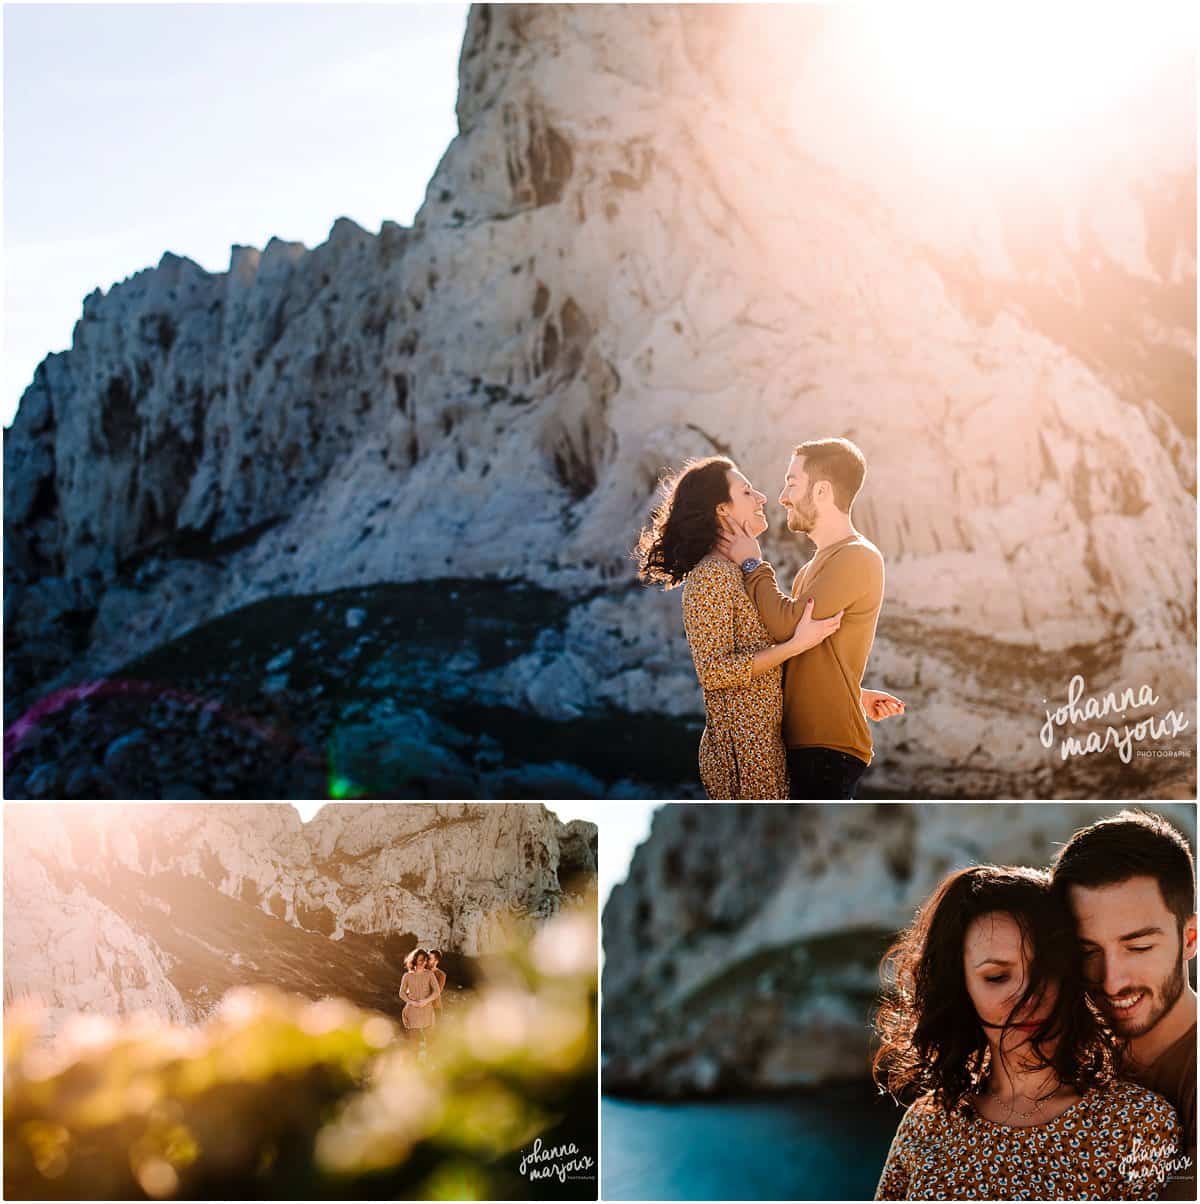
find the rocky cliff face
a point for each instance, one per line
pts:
(743, 949)
(634, 252)
(115, 909)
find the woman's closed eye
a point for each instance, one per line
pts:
(998, 978)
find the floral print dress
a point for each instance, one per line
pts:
(1116, 1143)
(741, 751)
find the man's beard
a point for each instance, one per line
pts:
(802, 516)
(1167, 992)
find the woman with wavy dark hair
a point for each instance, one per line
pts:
(987, 1029)
(737, 662)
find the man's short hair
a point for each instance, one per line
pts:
(1132, 844)
(837, 461)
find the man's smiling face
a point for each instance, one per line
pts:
(1132, 955)
(796, 497)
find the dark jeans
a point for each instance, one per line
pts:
(823, 773)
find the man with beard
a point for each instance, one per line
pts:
(825, 726)
(1131, 884)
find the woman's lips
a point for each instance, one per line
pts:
(1029, 1026)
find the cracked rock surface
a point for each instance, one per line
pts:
(633, 252)
(116, 909)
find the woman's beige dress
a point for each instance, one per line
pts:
(741, 751)
(414, 986)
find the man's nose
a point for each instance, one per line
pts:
(1115, 975)
(783, 497)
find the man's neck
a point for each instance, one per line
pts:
(831, 529)
(1147, 1048)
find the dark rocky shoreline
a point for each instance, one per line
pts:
(359, 693)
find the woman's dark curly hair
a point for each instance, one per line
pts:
(930, 1037)
(684, 526)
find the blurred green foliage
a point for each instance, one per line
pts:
(277, 1096)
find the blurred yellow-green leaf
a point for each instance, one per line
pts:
(277, 1096)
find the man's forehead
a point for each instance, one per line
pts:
(1118, 905)
(795, 467)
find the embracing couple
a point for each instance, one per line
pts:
(1044, 1029)
(785, 711)
(421, 989)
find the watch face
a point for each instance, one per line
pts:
(751, 563)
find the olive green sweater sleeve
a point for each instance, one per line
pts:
(779, 613)
(851, 580)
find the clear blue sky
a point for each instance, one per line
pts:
(130, 130)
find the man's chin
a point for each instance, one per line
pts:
(1127, 1032)
(1128, 1029)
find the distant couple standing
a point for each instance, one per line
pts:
(421, 989)
(785, 711)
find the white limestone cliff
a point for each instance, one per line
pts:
(83, 886)
(628, 256)
(67, 953)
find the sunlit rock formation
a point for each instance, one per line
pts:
(652, 239)
(114, 909)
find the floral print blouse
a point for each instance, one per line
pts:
(741, 751)
(1117, 1143)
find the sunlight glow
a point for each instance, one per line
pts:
(1017, 79)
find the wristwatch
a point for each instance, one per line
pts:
(750, 564)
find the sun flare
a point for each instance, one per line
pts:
(1015, 79)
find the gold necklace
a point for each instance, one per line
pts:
(1012, 1109)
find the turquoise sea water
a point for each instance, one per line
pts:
(827, 1145)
